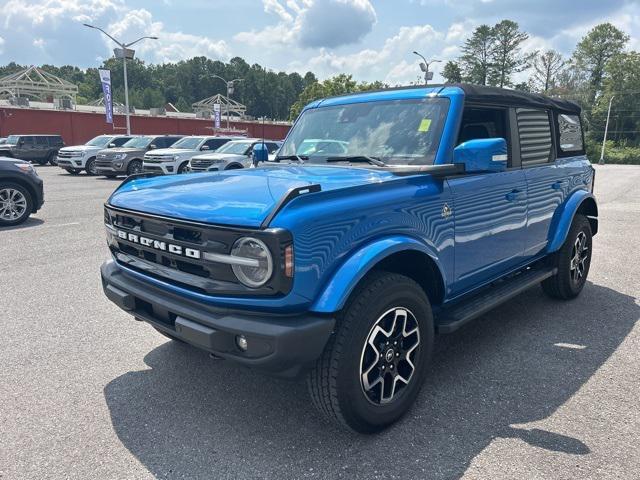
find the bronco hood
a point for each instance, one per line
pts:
(236, 197)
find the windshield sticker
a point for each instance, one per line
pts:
(425, 125)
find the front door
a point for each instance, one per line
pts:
(490, 217)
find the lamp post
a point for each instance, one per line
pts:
(125, 53)
(606, 130)
(230, 86)
(424, 66)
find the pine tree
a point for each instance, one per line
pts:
(476, 55)
(505, 53)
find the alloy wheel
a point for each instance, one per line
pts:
(579, 256)
(13, 204)
(387, 363)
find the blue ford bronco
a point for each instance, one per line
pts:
(386, 218)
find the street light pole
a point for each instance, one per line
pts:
(229, 84)
(606, 130)
(425, 66)
(126, 52)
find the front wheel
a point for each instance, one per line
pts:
(135, 166)
(572, 261)
(16, 204)
(90, 167)
(374, 364)
(183, 168)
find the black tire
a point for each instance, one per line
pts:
(336, 382)
(183, 168)
(90, 167)
(52, 159)
(26, 207)
(135, 166)
(42, 161)
(572, 269)
(169, 336)
(73, 171)
(110, 175)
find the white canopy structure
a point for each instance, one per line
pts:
(36, 84)
(228, 106)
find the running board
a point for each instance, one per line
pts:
(452, 318)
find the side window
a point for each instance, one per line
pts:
(42, 142)
(27, 141)
(160, 142)
(569, 134)
(215, 143)
(118, 142)
(272, 147)
(534, 131)
(485, 122)
(170, 141)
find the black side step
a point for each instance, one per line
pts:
(452, 318)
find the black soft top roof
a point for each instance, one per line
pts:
(502, 96)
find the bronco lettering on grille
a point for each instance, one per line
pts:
(160, 245)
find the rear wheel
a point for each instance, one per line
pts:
(16, 204)
(90, 167)
(572, 261)
(135, 166)
(373, 366)
(52, 159)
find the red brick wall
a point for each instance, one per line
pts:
(78, 127)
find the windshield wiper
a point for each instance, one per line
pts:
(299, 158)
(358, 158)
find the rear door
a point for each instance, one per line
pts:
(26, 149)
(546, 179)
(490, 209)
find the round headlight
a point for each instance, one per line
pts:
(258, 267)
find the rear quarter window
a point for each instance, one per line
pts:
(569, 135)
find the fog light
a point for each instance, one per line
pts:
(241, 342)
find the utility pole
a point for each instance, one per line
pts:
(125, 53)
(424, 66)
(606, 130)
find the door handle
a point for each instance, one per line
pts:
(558, 185)
(513, 195)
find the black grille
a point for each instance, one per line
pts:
(197, 274)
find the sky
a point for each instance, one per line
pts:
(370, 39)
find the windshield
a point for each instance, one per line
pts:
(398, 132)
(100, 141)
(138, 142)
(13, 139)
(189, 143)
(237, 148)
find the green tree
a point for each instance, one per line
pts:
(594, 51)
(451, 72)
(505, 53)
(622, 82)
(547, 66)
(338, 85)
(476, 61)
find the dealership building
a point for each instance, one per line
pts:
(35, 102)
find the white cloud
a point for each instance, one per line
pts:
(314, 23)
(52, 11)
(38, 42)
(170, 46)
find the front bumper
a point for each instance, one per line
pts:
(282, 345)
(66, 162)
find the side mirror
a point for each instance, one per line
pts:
(482, 155)
(152, 146)
(111, 145)
(259, 154)
(204, 147)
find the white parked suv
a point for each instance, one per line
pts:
(236, 154)
(176, 158)
(83, 157)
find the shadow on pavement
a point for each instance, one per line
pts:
(189, 416)
(28, 223)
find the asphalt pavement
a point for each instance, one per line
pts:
(535, 389)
